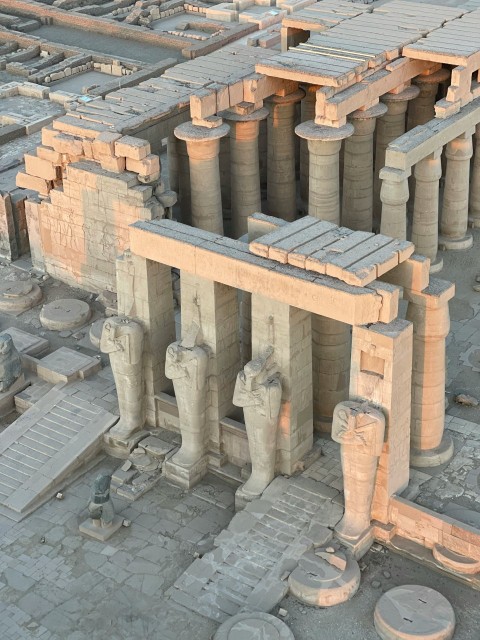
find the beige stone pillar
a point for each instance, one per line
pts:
(428, 311)
(425, 210)
(172, 155)
(330, 338)
(389, 127)
(324, 146)
(214, 307)
(454, 233)
(144, 290)
(474, 218)
(203, 145)
(244, 165)
(287, 330)
(281, 179)
(422, 108)
(394, 194)
(381, 375)
(357, 205)
(307, 113)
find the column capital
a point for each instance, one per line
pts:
(435, 296)
(433, 78)
(407, 94)
(311, 131)
(376, 111)
(232, 116)
(296, 96)
(194, 133)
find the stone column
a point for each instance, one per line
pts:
(428, 311)
(381, 375)
(287, 330)
(172, 155)
(324, 146)
(394, 194)
(422, 108)
(184, 191)
(330, 338)
(454, 222)
(281, 179)
(245, 168)
(203, 146)
(389, 127)
(425, 210)
(357, 205)
(307, 113)
(474, 218)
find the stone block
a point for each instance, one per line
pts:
(147, 166)
(41, 185)
(100, 533)
(133, 148)
(40, 168)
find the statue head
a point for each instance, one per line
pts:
(260, 368)
(6, 345)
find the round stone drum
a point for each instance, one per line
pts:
(253, 626)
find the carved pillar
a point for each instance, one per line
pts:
(357, 206)
(381, 375)
(287, 330)
(474, 218)
(389, 127)
(324, 147)
(425, 210)
(244, 165)
(360, 430)
(422, 108)
(331, 339)
(394, 195)
(428, 311)
(203, 146)
(454, 221)
(281, 179)
(307, 113)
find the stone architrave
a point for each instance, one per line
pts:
(12, 379)
(360, 430)
(102, 523)
(123, 339)
(258, 391)
(187, 366)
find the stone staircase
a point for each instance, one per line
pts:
(47, 446)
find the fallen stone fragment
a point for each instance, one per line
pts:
(466, 400)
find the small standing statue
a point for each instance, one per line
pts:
(102, 522)
(122, 339)
(186, 365)
(360, 429)
(259, 391)
(10, 363)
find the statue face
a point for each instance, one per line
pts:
(6, 344)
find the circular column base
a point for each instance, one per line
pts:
(325, 577)
(65, 314)
(436, 265)
(455, 244)
(411, 612)
(455, 561)
(253, 626)
(19, 295)
(432, 457)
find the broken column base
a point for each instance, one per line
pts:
(89, 528)
(7, 398)
(358, 546)
(185, 476)
(121, 447)
(455, 244)
(432, 457)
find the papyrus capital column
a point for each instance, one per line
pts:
(454, 221)
(390, 126)
(357, 206)
(425, 210)
(324, 147)
(203, 146)
(394, 195)
(422, 108)
(474, 218)
(281, 179)
(245, 167)
(428, 311)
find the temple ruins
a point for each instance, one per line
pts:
(261, 257)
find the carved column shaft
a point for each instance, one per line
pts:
(307, 113)
(475, 183)
(394, 194)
